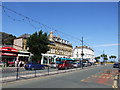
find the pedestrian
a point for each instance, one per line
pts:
(16, 63)
(6, 63)
(20, 63)
(23, 63)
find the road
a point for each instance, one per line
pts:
(97, 77)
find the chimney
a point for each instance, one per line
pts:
(51, 36)
(58, 36)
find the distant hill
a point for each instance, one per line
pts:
(6, 38)
(24, 36)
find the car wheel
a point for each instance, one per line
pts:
(13, 65)
(26, 68)
(65, 68)
(32, 68)
(43, 68)
(59, 68)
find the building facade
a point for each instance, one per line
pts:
(58, 48)
(88, 53)
(20, 42)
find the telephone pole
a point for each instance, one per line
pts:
(82, 54)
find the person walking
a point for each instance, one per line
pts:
(20, 63)
(16, 63)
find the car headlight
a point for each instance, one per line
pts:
(29, 65)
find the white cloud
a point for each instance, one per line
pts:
(106, 45)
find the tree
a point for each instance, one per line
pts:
(7, 39)
(97, 59)
(104, 56)
(38, 43)
(112, 57)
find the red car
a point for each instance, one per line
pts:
(11, 63)
(64, 65)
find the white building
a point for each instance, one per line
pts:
(47, 58)
(88, 53)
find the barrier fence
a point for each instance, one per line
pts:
(17, 73)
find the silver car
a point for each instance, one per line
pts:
(53, 65)
(76, 64)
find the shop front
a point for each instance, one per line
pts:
(9, 55)
(48, 58)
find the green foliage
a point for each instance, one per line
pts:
(38, 43)
(104, 56)
(7, 39)
(97, 59)
(112, 57)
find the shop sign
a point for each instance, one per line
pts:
(9, 54)
(9, 49)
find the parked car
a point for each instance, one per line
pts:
(89, 64)
(33, 66)
(76, 64)
(64, 65)
(116, 65)
(11, 63)
(53, 65)
(85, 64)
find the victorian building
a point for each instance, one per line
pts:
(58, 48)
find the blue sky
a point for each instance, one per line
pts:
(97, 22)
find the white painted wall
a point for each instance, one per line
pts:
(88, 53)
(18, 43)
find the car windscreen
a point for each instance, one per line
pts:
(75, 63)
(60, 62)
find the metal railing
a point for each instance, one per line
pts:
(17, 73)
